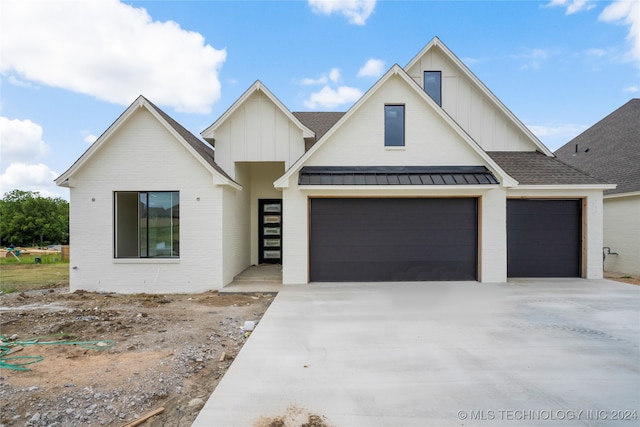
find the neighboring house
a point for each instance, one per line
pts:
(610, 151)
(427, 177)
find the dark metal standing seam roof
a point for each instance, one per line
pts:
(396, 175)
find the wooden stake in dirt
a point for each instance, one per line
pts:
(144, 418)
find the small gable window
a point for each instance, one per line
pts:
(394, 125)
(433, 85)
(147, 224)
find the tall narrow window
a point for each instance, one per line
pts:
(394, 125)
(147, 224)
(433, 85)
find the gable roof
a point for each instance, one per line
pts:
(436, 43)
(396, 70)
(199, 149)
(534, 168)
(209, 133)
(610, 149)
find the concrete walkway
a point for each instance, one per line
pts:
(552, 352)
(257, 278)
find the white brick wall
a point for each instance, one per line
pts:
(143, 156)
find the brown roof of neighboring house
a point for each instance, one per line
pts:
(535, 168)
(610, 149)
(319, 122)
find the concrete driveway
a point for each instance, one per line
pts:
(551, 352)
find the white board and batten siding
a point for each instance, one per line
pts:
(257, 131)
(144, 156)
(470, 108)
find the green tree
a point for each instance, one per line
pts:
(28, 219)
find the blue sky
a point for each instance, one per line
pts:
(69, 68)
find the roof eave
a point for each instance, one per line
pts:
(566, 187)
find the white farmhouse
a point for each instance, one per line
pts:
(428, 177)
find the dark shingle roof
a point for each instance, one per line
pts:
(319, 122)
(610, 149)
(535, 168)
(396, 175)
(205, 151)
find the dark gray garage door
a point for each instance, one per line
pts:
(544, 238)
(356, 240)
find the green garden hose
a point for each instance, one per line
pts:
(17, 363)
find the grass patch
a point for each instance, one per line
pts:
(26, 274)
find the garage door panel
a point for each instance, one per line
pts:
(393, 239)
(406, 271)
(544, 238)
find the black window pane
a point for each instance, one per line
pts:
(394, 125)
(433, 85)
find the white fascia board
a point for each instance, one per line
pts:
(209, 133)
(221, 180)
(566, 187)
(619, 195)
(436, 42)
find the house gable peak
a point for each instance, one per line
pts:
(209, 134)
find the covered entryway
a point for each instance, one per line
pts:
(393, 239)
(544, 238)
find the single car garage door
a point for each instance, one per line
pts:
(544, 238)
(356, 240)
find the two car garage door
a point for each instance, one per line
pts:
(424, 239)
(358, 240)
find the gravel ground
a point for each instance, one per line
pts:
(170, 351)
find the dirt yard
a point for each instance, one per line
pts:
(621, 277)
(167, 353)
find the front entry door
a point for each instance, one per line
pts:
(270, 231)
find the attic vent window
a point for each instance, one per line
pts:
(433, 85)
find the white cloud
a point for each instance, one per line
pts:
(356, 11)
(331, 98)
(334, 75)
(595, 53)
(372, 68)
(626, 12)
(534, 58)
(322, 80)
(632, 89)
(90, 139)
(573, 6)
(31, 177)
(109, 50)
(21, 141)
(556, 135)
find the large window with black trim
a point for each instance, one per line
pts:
(146, 224)
(394, 125)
